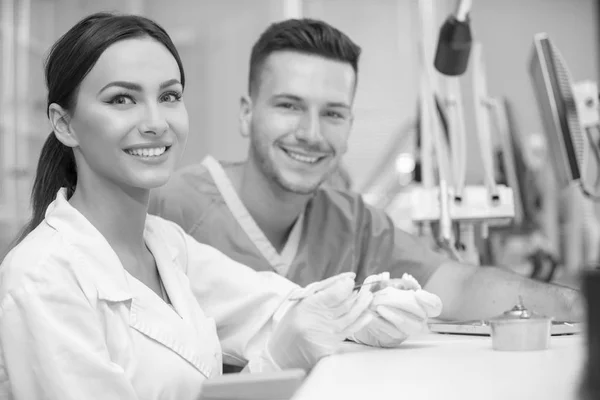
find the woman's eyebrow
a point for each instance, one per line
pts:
(137, 87)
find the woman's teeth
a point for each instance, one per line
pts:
(302, 158)
(155, 152)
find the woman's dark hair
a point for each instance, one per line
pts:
(70, 59)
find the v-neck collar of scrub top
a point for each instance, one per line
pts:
(115, 284)
(280, 262)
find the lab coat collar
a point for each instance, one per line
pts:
(109, 273)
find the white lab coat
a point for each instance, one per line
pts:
(75, 325)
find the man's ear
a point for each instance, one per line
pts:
(245, 115)
(61, 125)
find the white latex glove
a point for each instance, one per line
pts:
(400, 308)
(316, 325)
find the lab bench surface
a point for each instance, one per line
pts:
(448, 367)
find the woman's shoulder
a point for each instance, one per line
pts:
(42, 258)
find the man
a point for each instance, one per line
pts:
(272, 212)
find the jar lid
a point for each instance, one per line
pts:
(518, 313)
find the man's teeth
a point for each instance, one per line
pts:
(155, 152)
(303, 158)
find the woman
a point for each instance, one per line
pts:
(100, 300)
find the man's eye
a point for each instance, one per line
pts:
(288, 106)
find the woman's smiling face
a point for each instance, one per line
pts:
(129, 120)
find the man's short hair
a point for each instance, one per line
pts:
(308, 36)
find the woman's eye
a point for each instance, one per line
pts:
(171, 97)
(121, 100)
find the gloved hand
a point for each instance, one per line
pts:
(400, 308)
(316, 325)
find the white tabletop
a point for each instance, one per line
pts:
(449, 367)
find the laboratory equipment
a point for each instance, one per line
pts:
(454, 42)
(444, 201)
(570, 116)
(520, 329)
(483, 328)
(569, 112)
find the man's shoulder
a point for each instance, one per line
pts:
(192, 183)
(194, 177)
(186, 197)
(347, 209)
(379, 245)
(343, 201)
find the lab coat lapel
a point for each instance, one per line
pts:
(172, 276)
(152, 317)
(191, 335)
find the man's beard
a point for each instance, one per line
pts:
(269, 170)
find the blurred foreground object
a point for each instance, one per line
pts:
(590, 384)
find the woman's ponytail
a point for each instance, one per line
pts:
(56, 169)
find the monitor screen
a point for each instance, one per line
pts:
(553, 90)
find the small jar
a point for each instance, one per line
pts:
(520, 330)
